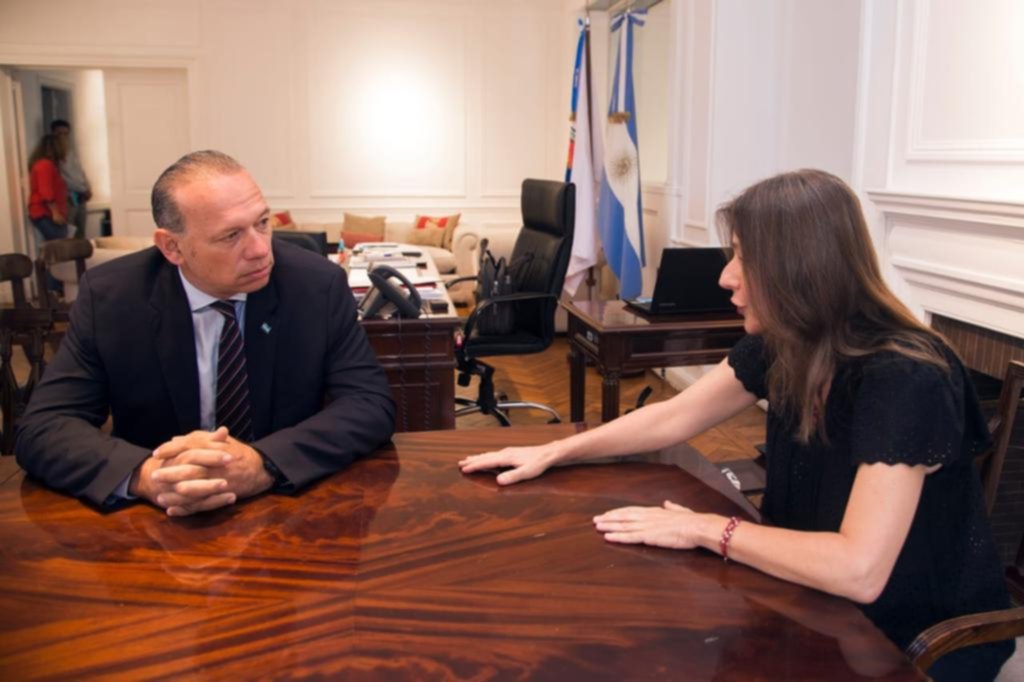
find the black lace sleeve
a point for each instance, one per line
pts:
(907, 411)
(749, 361)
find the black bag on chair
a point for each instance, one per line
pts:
(494, 280)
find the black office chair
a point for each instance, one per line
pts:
(537, 267)
(311, 241)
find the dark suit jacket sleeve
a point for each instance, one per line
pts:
(359, 415)
(58, 439)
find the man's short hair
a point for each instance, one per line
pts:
(59, 123)
(166, 212)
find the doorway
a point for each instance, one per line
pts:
(127, 123)
(56, 104)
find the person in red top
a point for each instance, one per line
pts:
(48, 200)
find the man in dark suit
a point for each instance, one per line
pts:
(229, 363)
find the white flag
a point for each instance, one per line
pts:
(585, 156)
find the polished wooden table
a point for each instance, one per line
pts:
(402, 568)
(619, 339)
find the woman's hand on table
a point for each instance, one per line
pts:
(671, 525)
(522, 463)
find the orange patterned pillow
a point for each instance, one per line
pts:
(448, 222)
(427, 233)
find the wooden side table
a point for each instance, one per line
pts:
(619, 339)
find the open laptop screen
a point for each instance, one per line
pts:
(688, 283)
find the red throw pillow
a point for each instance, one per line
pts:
(448, 222)
(282, 219)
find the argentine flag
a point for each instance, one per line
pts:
(619, 214)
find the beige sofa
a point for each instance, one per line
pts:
(103, 250)
(460, 261)
(464, 241)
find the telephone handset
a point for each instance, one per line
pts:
(385, 295)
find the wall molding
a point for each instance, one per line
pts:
(963, 150)
(959, 257)
(985, 211)
(98, 57)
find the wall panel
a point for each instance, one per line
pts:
(147, 130)
(387, 100)
(67, 24)
(958, 100)
(513, 87)
(249, 90)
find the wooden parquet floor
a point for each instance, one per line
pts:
(544, 378)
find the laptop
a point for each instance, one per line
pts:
(687, 283)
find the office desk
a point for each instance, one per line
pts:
(419, 358)
(618, 340)
(402, 568)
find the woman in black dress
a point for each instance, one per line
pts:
(872, 429)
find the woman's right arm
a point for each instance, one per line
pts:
(714, 398)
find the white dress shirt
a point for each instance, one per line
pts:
(208, 324)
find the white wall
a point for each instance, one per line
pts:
(942, 159)
(90, 131)
(817, 90)
(392, 106)
(918, 104)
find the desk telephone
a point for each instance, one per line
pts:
(385, 296)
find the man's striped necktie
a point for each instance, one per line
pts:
(233, 409)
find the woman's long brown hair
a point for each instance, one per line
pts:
(50, 147)
(816, 288)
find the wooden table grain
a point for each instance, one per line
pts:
(402, 568)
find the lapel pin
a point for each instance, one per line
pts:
(265, 327)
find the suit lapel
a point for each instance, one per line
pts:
(261, 334)
(174, 339)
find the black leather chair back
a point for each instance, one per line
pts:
(541, 253)
(311, 241)
(539, 260)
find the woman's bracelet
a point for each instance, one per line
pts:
(723, 544)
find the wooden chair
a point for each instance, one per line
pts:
(956, 633)
(993, 626)
(16, 268)
(52, 253)
(1001, 426)
(25, 326)
(1015, 576)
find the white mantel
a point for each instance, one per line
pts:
(961, 258)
